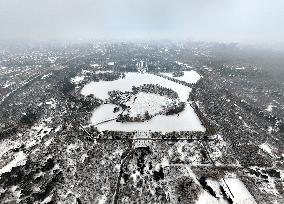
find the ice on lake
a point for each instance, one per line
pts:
(100, 89)
(190, 77)
(186, 120)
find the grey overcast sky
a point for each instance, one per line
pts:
(212, 20)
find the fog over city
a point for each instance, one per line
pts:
(142, 101)
(246, 21)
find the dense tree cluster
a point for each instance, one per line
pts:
(67, 86)
(105, 76)
(175, 80)
(178, 74)
(138, 118)
(175, 108)
(83, 104)
(155, 89)
(119, 98)
(31, 116)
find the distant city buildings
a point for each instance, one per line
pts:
(142, 66)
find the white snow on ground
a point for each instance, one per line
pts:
(179, 63)
(86, 71)
(111, 63)
(206, 198)
(142, 102)
(240, 193)
(100, 89)
(217, 146)
(8, 84)
(180, 146)
(207, 68)
(215, 185)
(269, 129)
(240, 68)
(19, 160)
(268, 186)
(48, 142)
(190, 77)
(187, 120)
(164, 163)
(265, 147)
(16, 193)
(7, 145)
(95, 65)
(77, 79)
(51, 102)
(183, 64)
(83, 157)
(103, 113)
(46, 76)
(103, 199)
(71, 147)
(104, 71)
(38, 132)
(142, 143)
(134, 176)
(269, 108)
(48, 199)
(57, 129)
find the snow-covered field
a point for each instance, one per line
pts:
(238, 192)
(190, 77)
(142, 102)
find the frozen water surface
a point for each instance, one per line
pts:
(190, 77)
(187, 120)
(100, 89)
(103, 113)
(239, 190)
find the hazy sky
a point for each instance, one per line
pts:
(212, 20)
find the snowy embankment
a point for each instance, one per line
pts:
(19, 160)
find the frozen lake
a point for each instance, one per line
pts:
(186, 120)
(100, 89)
(190, 77)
